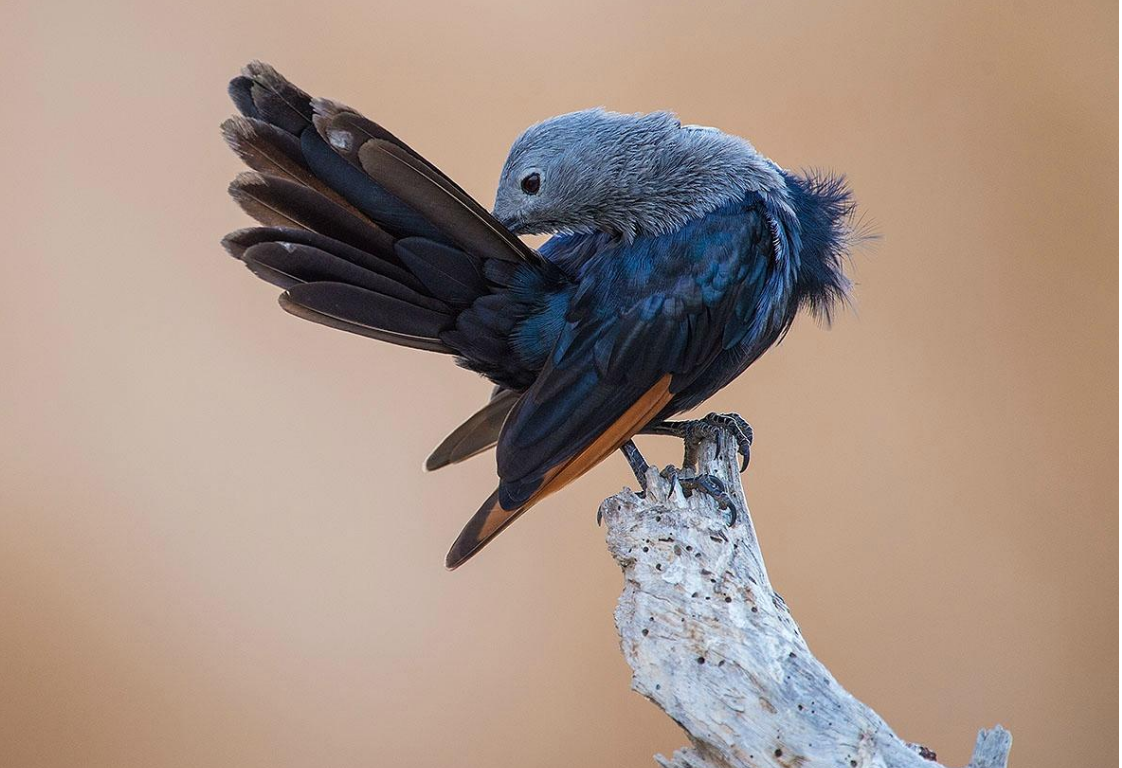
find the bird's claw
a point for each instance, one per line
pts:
(711, 486)
(734, 424)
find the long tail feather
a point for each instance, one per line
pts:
(476, 435)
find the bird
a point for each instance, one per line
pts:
(678, 254)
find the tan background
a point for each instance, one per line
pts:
(217, 547)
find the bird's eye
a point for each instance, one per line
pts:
(532, 183)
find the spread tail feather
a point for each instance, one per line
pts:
(362, 233)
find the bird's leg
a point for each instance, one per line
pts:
(692, 432)
(638, 464)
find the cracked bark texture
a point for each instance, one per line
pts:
(711, 643)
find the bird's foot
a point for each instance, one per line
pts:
(740, 430)
(710, 485)
(695, 431)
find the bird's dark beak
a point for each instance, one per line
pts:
(510, 222)
(507, 218)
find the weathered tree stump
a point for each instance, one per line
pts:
(711, 642)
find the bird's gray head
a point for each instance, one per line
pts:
(596, 170)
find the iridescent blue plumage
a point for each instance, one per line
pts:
(636, 311)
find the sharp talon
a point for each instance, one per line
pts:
(731, 515)
(740, 430)
(712, 484)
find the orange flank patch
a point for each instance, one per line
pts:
(491, 518)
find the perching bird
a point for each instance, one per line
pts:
(680, 254)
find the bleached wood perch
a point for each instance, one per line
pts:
(711, 643)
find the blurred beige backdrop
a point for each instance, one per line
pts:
(217, 547)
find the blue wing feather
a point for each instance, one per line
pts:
(636, 311)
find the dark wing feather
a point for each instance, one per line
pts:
(262, 92)
(444, 271)
(272, 151)
(295, 263)
(426, 192)
(358, 310)
(349, 133)
(371, 259)
(333, 117)
(390, 212)
(279, 202)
